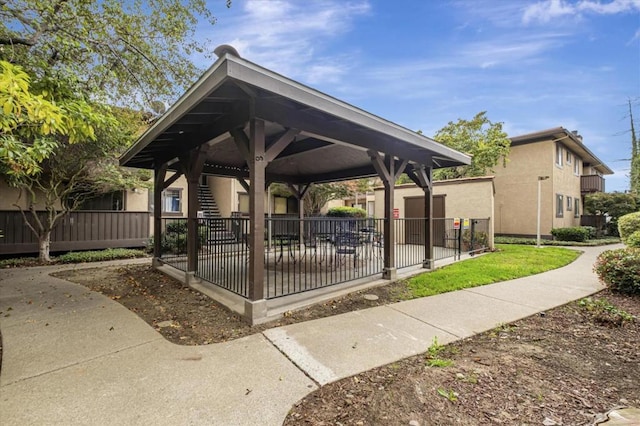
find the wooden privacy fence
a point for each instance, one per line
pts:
(79, 230)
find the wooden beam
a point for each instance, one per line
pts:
(188, 141)
(279, 145)
(400, 168)
(304, 146)
(291, 117)
(380, 167)
(244, 184)
(242, 142)
(176, 175)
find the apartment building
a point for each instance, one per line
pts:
(565, 170)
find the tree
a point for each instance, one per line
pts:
(57, 147)
(479, 137)
(317, 196)
(60, 140)
(359, 186)
(634, 175)
(128, 52)
(613, 205)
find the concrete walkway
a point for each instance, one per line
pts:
(72, 356)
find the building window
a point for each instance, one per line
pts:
(559, 155)
(559, 205)
(279, 205)
(569, 203)
(568, 157)
(172, 201)
(243, 203)
(110, 201)
(576, 210)
(576, 167)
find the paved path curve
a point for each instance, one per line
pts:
(73, 356)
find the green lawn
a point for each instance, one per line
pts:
(511, 261)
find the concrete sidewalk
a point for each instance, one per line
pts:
(72, 356)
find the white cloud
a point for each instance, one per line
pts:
(289, 36)
(611, 8)
(549, 10)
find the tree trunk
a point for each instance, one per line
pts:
(44, 241)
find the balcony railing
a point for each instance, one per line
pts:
(591, 183)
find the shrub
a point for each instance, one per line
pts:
(99, 255)
(620, 269)
(175, 237)
(346, 212)
(178, 226)
(628, 224)
(593, 232)
(633, 240)
(570, 234)
(480, 239)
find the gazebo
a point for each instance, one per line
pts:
(245, 122)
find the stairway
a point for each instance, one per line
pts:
(207, 203)
(218, 232)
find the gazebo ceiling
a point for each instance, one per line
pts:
(332, 139)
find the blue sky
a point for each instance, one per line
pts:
(532, 65)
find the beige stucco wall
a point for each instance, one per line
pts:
(9, 196)
(464, 198)
(225, 193)
(517, 190)
(566, 183)
(137, 200)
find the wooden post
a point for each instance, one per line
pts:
(160, 171)
(428, 212)
(389, 271)
(257, 165)
(192, 165)
(192, 224)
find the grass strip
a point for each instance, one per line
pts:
(532, 241)
(508, 263)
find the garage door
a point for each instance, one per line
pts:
(414, 230)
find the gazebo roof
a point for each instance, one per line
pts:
(333, 140)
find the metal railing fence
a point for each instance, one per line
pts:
(302, 255)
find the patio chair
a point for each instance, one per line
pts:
(347, 245)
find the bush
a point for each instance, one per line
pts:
(346, 212)
(577, 233)
(175, 237)
(633, 240)
(178, 226)
(99, 255)
(480, 239)
(628, 224)
(620, 269)
(593, 232)
(533, 242)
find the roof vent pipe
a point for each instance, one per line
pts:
(225, 48)
(578, 135)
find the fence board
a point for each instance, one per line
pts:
(80, 230)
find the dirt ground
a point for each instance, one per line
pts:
(566, 366)
(187, 317)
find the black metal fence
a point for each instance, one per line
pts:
(311, 253)
(319, 252)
